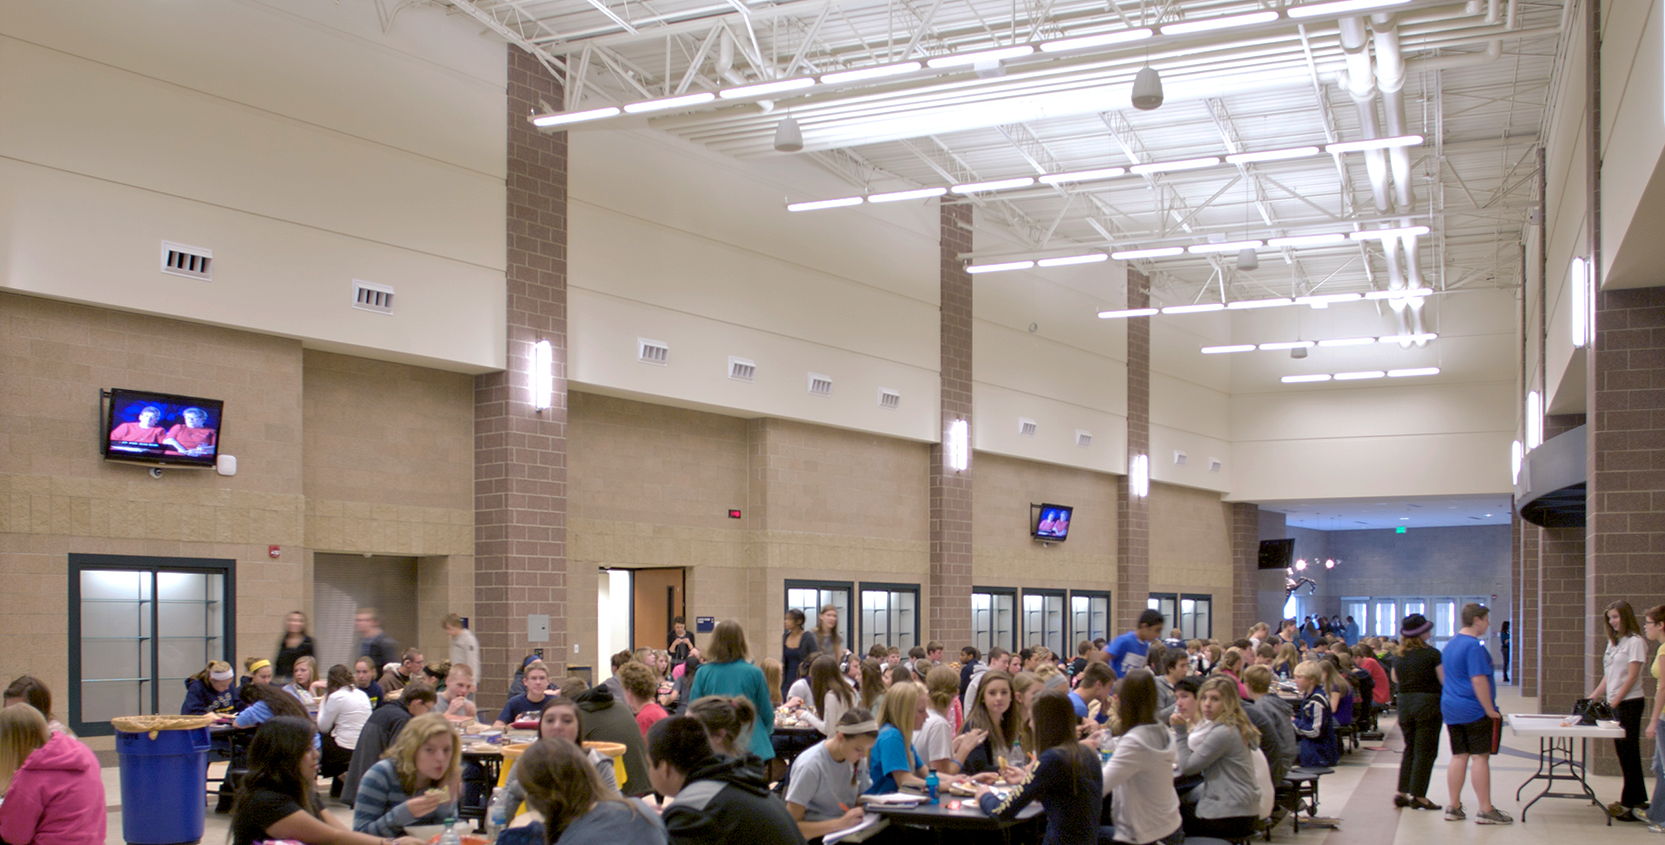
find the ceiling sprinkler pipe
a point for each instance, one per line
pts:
(1390, 79)
(1417, 329)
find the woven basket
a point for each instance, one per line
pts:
(154, 725)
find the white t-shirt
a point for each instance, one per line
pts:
(820, 784)
(1615, 666)
(935, 741)
(343, 715)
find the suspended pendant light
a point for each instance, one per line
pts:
(1147, 89)
(788, 138)
(1248, 259)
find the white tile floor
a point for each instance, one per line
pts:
(1552, 821)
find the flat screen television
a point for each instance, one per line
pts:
(1277, 554)
(1051, 522)
(161, 428)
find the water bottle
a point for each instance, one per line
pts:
(931, 785)
(450, 837)
(497, 812)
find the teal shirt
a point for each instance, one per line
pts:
(740, 678)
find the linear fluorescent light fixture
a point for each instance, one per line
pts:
(1272, 155)
(1517, 456)
(1360, 376)
(1308, 240)
(1158, 252)
(1398, 294)
(1287, 344)
(761, 88)
(1082, 175)
(994, 185)
(1067, 260)
(1414, 371)
(980, 56)
(665, 103)
(1171, 166)
(999, 268)
(1380, 234)
(565, 118)
(1199, 308)
(1313, 10)
(1323, 300)
(1211, 24)
(863, 74)
(1127, 312)
(900, 196)
(1408, 338)
(1225, 350)
(1138, 476)
(1245, 304)
(1224, 246)
(541, 376)
(1305, 379)
(1089, 41)
(1347, 341)
(1374, 144)
(817, 205)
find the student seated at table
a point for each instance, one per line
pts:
(54, 790)
(454, 702)
(1094, 686)
(1065, 777)
(1275, 719)
(829, 695)
(993, 714)
(30, 690)
(720, 800)
(1139, 776)
(365, 672)
(563, 720)
(276, 799)
(533, 700)
(340, 719)
(1314, 721)
(894, 763)
(936, 741)
(1218, 744)
(381, 730)
(824, 793)
(640, 683)
(263, 701)
(417, 783)
(209, 692)
(607, 720)
(305, 684)
(570, 805)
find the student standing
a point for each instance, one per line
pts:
(1468, 704)
(465, 648)
(1128, 650)
(728, 672)
(1619, 686)
(1420, 677)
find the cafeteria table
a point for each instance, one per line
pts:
(957, 814)
(1555, 755)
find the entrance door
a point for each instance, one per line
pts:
(656, 598)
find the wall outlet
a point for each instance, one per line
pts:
(575, 648)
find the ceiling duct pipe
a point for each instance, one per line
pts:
(1390, 80)
(1361, 86)
(725, 69)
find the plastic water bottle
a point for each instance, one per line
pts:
(497, 813)
(450, 837)
(931, 785)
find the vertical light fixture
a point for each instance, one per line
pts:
(1578, 286)
(1534, 420)
(957, 447)
(542, 375)
(1138, 476)
(1517, 456)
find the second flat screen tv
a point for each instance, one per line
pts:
(162, 428)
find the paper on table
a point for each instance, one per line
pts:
(869, 826)
(894, 799)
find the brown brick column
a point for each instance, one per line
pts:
(1132, 594)
(1245, 567)
(1565, 645)
(520, 497)
(950, 490)
(1528, 627)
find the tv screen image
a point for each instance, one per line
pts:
(1276, 554)
(162, 428)
(1052, 522)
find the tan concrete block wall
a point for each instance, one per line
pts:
(634, 461)
(829, 481)
(1190, 550)
(1005, 555)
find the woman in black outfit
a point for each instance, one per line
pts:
(295, 644)
(1503, 639)
(1420, 678)
(797, 646)
(1065, 778)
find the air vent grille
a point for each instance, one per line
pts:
(1083, 438)
(192, 262)
(653, 352)
(820, 385)
(741, 369)
(1180, 458)
(368, 296)
(1214, 464)
(1026, 427)
(889, 399)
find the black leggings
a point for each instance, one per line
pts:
(1419, 720)
(1629, 749)
(1230, 828)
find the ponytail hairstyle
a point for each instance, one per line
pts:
(340, 677)
(728, 720)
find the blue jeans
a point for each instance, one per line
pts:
(1656, 808)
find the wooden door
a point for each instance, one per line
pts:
(656, 598)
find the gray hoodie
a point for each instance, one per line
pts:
(1281, 748)
(1227, 766)
(1139, 776)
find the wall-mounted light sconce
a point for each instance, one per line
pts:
(1138, 475)
(542, 376)
(957, 445)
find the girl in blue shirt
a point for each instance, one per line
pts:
(894, 763)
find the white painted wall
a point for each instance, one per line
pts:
(299, 142)
(1190, 398)
(1633, 123)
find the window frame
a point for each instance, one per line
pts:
(78, 562)
(1173, 622)
(1063, 617)
(1076, 636)
(851, 606)
(888, 587)
(1017, 623)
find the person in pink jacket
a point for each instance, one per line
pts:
(54, 792)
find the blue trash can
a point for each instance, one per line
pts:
(163, 786)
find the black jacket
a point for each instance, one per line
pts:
(726, 800)
(607, 720)
(378, 733)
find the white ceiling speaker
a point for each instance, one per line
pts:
(1248, 259)
(1298, 352)
(1147, 89)
(788, 137)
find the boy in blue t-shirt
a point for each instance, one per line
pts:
(1128, 651)
(1468, 703)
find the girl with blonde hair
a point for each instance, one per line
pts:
(894, 763)
(416, 782)
(54, 791)
(1220, 748)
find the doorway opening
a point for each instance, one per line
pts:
(634, 609)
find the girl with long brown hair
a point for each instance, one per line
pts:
(1620, 686)
(1065, 777)
(563, 789)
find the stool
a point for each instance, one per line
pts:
(1304, 784)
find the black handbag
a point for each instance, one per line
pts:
(1588, 710)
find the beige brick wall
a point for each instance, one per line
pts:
(1005, 555)
(1190, 550)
